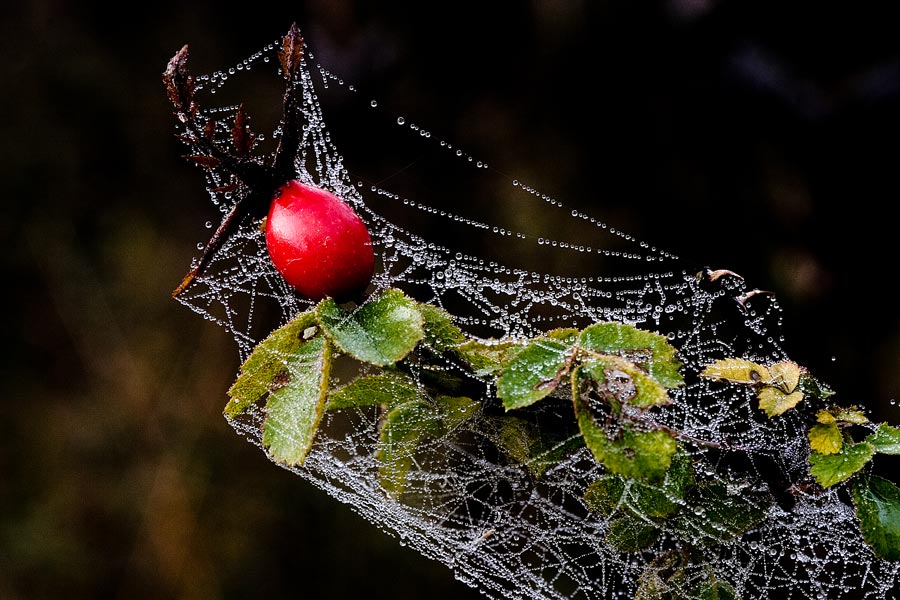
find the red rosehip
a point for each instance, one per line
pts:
(318, 244)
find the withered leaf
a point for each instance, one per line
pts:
(291, 52)
(241, 134)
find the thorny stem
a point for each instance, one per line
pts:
(256, 180)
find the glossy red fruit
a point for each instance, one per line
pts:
(318, 244)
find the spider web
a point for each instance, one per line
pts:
(497, 527)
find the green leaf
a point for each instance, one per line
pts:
(829, 469)
(736, 370)
(885, 440)
(440, 332)
(878, 508)
(713, 590)
(385, 389)
(293, 411)
(713, 515)
(774, 402)
(487, 357)
(404, 428)
(810, 386)
(455, 410)
(628, 534)
(649, 351)
(267, 364)
(633, 454)
(825, 438)
(853, 415)
(605, 494)
(516, 438)
(534, 373)
(380, 332)
(643, 499)
(623, 381)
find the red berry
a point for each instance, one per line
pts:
(318, 244)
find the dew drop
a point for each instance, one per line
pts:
(373, 104)
(401, 121)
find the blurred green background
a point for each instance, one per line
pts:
(748, 136)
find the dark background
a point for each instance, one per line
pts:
(748, 136)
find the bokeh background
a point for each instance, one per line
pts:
(754, 136)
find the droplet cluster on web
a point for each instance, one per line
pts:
(491, 522)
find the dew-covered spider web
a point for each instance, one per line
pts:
(497, 526)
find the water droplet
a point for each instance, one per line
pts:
(373, 103)
(401, 121)
(208, 224)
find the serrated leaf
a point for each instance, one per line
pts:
(380, 332)
(852, 415)
(384, 389)
(825, 438)
(649, 351)
(623, 381)
(713, 515)
(885, 440)
(629, 534)
(736, 370)
(268, 362)
(644, 455)
(774, 402)
(830, 469)
(293, 411)
(784, 375)
(714, 590)
(810, 386)
(877, 503)
(440, 332)
(455, 410)
(403, 430)
(487, 357)
(534, 373)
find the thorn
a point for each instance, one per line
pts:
(714, 275)
(744, 298)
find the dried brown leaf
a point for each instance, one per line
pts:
(291, 52)
(205, 161)
(241, 135)
(179, 84)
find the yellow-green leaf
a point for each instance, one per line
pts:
(784, 375)
(294, 410)
(266, 365)
(830, 469)
(853, 415)
(825, 438)
(736, 370)
(774, 402)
